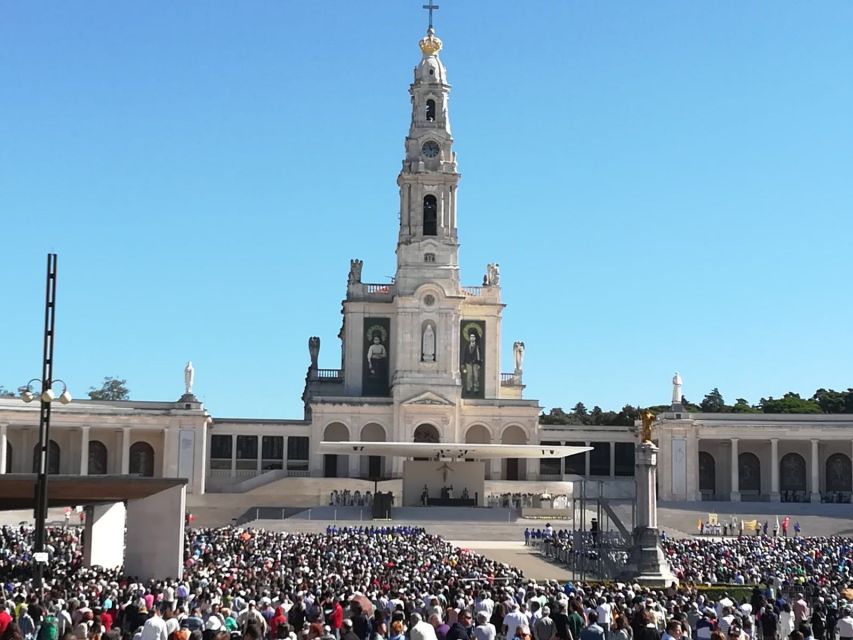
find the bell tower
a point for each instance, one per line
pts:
(428, 247)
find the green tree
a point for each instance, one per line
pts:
(831, 401)
(689, 406)
(579, 414)
(555, 416)
(713, 402)
(742, 406)
(112, 389)
(789, 403)
(595, 415)
(5, 393)
(627, 416)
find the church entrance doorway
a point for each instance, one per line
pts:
(511, 469)
(330, 466)
(374, 468)
(334, 465)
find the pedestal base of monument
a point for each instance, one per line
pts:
(647, 564)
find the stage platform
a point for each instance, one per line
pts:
(451, 502)
(407, 515)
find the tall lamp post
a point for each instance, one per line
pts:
(46, 396)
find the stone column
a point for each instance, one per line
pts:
(815, 483)
(260, 466)
(612, 459)
(354, 466)
(586, 459)
(647, 563)
(84, 451)
(735, 495)
(774, 470)
(234, 456)
(125, 450)
(4, 447)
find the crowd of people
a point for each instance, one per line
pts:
(347, 498)
(403, 583)
(520, 500)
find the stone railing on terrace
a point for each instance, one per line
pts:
(510, 379)
(327, 375)
(473, 291)
(371, 291)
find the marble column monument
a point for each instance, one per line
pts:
(647, 563)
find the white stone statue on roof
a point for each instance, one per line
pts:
(676, 388)
(189, 376)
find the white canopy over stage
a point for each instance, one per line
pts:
(460, 479)
(439, 450)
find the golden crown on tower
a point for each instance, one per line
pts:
(430, 44)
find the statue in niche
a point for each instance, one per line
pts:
(314, 350)
(189, 377)
(355, 266)
(518, 353)
(428, 343)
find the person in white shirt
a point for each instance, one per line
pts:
(604, 610)
(844, 626)
(421, 630)
(512, 621)
(485, 604)
(484, 630)
(154, 628)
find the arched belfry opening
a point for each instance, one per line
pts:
(430, 110)
(430, 215)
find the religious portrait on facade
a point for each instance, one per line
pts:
(472, 362)
(376, 352)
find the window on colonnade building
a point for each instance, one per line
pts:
(220, 451)
(624, 458)
(599, 459)
(297, 453)
(272, 453)
(247, 453)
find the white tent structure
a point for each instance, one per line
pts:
(452, 451)
(460, 480)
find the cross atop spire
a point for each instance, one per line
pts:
(430, 7)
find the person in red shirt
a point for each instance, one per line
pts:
(106, 620)
(278, 620)
(5, 618)
(337, 618)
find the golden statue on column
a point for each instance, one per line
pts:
(648, 418)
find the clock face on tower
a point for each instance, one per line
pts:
(430, 149)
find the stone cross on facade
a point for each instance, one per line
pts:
(430, 7)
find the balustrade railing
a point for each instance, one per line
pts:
(379, 288)
(510, 379)
(472, 291)
(329, 375)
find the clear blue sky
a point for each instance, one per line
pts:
(666, 185)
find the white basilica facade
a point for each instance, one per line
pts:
(421, 362)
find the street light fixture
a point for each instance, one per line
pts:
(46, 395)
